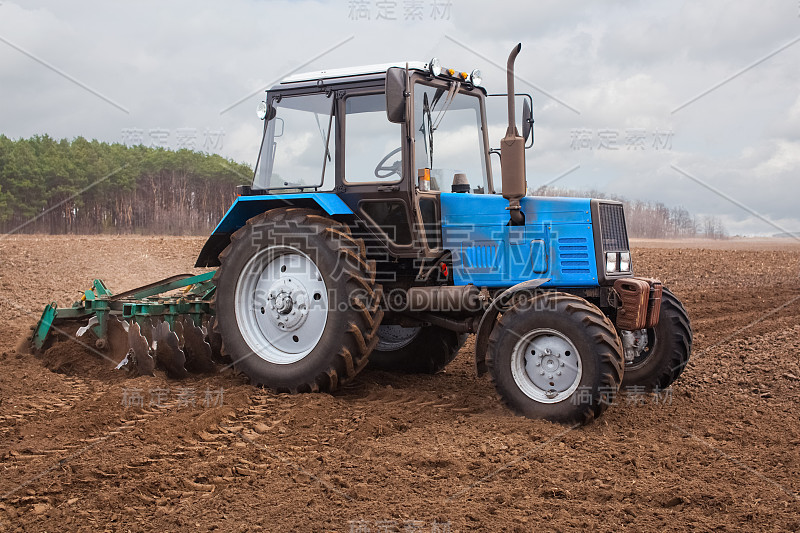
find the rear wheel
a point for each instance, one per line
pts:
(667, 352)
(419, 350)
(297, 306)
(556, 356)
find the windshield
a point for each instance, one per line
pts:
(449, 137)
(297, 152)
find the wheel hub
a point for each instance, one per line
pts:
(288, 301)
(546, 366)
(283, 303)
(637, 346)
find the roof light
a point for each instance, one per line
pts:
(261, 111)
(451, 71)
(464, 75)
(476, 77)
(435, 66)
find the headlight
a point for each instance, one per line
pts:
(625, 262)
(476, 77)
(261, 110)
(435, 66)
(611, 262)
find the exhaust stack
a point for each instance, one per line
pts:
(512, 152)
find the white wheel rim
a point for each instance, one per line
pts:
(281, 304)
(393, 337)
(546, 366)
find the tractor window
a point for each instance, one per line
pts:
(372, 143)
(448, 137)
(298, 152)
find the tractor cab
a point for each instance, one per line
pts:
(386, 139)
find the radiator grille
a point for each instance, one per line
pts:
(612, 228)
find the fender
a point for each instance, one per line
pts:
(246, 207)
(490, 317)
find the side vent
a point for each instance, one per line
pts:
(480, 255)
(573, 253)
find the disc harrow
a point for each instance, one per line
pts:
(168, 324)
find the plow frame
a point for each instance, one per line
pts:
(138, 304)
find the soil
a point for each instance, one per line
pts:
(85, 448)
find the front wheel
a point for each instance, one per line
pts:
(297, 306)
(667, 352)
(556, 356)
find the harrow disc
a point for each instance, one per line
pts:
(197, 350)
(114, 347)
(180, 349)
(139, 351)
(117, 339)
(168, 353)
(147, 328)
(215, 341)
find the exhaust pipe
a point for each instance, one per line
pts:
(512, 152)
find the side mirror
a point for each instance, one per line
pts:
(396, 95)
(527, 120)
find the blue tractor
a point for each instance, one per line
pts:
(375, 233)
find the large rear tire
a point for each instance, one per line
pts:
(297, 306)
(666, 355)
(422, 350)
(556, 356)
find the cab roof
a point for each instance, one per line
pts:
(364, 72)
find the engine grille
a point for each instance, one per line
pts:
(574, 255)
(480, 255)
(612, 228)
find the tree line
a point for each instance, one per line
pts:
(652, 220)
(80, 186)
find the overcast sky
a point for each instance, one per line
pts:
(688, 103)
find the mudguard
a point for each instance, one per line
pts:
(490, 317)
(246, 207)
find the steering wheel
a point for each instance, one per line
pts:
(382, 171)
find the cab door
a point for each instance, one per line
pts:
(448, 141)
(372, 171)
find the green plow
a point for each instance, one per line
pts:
(169, 323)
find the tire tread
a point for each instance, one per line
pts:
(359, 272)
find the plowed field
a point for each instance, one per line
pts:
(84, 448)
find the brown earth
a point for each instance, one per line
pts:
(717, 452)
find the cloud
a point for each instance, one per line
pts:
(624, 65)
